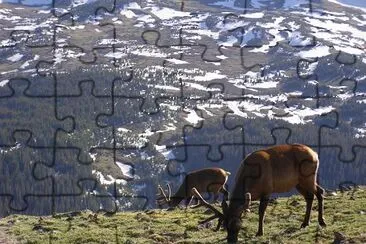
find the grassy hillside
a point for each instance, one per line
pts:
(344, 212)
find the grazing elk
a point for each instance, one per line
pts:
(210, 180)
(272, 170)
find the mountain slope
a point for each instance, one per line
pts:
(192, 74)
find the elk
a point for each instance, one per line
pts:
(210, 180)
(275, 169)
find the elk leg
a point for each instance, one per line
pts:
(248, 200)
(319, 195)
(262, 211)
(219, 223)
(225, 192)
(309, 197)
(216, 197)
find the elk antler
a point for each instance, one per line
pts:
(217, 213)
(162, 198)
(169, 191)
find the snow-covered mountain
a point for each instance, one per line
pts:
(193, 73)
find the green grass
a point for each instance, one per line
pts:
(343, 213)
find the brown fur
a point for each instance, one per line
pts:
(275, 169)
(278, 169)
(211, 180)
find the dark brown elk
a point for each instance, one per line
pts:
(272, 170)
(211, 180)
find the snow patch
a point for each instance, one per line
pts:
(168, 13)
(319, 51)
(120, 129)
(200, 87)
(15, 57)
(296, 39)
(168, 154)
(192, 117)
(128, 13)
(76, 3)
(172, 88)
(109, 180)
(3, 83)
(263, 85)
(126, 169)
(257, 15)
(176, 61)
(116, 55)
(149, 53)
(210, 76)
(301, 116)
(25, 65)
(361, 132)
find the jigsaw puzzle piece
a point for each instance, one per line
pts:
(177, 167)
(314, 88)
(117, 162)
(10, 37)
(332, 163)
(118, 118)
(243, 62)
(103, 81)
(344, 58)
(13, 39)
(243, 42)
(164, 44)
(68, 45)
(99, 48)
(200, 34)
(197, 136)
(346, 120)
(264, 132)
(343, 126)
(82, 136)
(155, 86)
(65, 170)
(257, 132)
(29, 30)
(169, 41)
(208, 87)
(23, 111)
(86, 184)
(75, 11)
(125, 115)
(17, 164)
(18, 58)
(81, 192)
(120, 184)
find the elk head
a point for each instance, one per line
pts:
(230, 220)
(210, 180)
